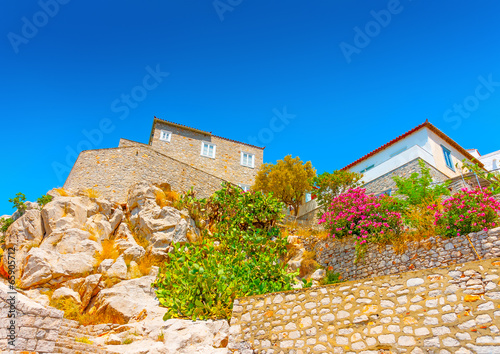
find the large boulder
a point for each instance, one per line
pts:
(118, 269)
(124, 238)
(26, 232)
(64, 213)
(128, 299)
(66, 294)
(86, 287)
(71, 241)
(43, 266)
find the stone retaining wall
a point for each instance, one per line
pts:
(432, 252)
(42, 329)
(113, 171)
(453, 309)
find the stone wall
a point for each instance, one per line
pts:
(453, 309)
(429, 253)
(113, 171)
(185, 146)
(385, 182)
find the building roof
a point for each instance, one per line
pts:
(425, 124)
(182, 126)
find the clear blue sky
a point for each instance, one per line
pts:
(351, 84)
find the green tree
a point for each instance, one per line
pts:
(289, 180)
(44, 199)
(333, 184)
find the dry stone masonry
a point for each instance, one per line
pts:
(432, 252)
(113, 171)
(454, 309)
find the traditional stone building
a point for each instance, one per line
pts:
(230, 160)
(181, 156)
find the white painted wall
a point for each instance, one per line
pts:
(415, 145)
(491, 161)
(423, 144)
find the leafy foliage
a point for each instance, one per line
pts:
(331, 277)
(18, 202)
(331, 185)
(418, 188)
(367, 218)
(44, 199)
(419, 192)
(465, 212)
(241, 257)
(289, 180)
(5, 223)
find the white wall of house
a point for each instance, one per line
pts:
(491, 161)
(424, 144)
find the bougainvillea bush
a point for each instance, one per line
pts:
(366, 218)
(465, 212)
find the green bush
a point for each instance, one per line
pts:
(5, 223)
(44, 199)
(18, 202)
(331, 277)
(241, 257)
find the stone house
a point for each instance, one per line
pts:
(399, 157)
(181, 156)
(228, 159)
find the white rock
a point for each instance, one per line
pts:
(66, 293)
(318, 274)
(118, 269)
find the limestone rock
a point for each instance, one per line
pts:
(64, 213)
(42, 265)
(105, 265)
(318, 274)
(113, 339)
(85, 287)
(72, 240)
(36, 295)
(127, 299)
(134, 253)
(124, 238)
(26, 232)
(118, 269)
(66, 293)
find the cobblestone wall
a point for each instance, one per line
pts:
(385, 182)
(432, 252)
(453, 309)
(113, 171)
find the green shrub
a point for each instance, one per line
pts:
(418, 189)
(241, 258)
(44, 199)
(419, 192)
(331, 277)
(18, 202)
(5, 223)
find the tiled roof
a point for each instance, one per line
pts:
(431, 127)
(204, 132)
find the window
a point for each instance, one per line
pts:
(367, 168)
(447, 158)
(247, 159)
(165, 135)
(308, 197)
(208, 150)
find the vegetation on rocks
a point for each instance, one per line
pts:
(239, 255)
